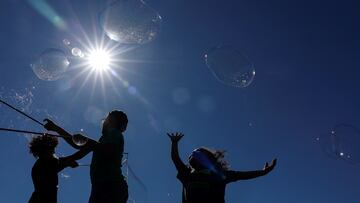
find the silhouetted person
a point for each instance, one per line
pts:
(47, 166)
(108, 185)
(205, 179)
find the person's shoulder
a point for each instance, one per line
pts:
(46, 162)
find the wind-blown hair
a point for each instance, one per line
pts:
(42, 144)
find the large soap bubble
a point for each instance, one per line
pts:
(230, 66)
(130, 22)
(342, 142)
(50, 65)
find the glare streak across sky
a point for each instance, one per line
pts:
(42, 7)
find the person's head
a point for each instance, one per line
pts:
(205, 158)
(116, 119)
(43, 146)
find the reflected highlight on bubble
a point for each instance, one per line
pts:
(50, 65)
(66, 42)
(77, 52)
(80, 138)
(342, 143)
(230, 66)
(130, 22)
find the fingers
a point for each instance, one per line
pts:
(47, 120)
(175, 136)
(273, 163)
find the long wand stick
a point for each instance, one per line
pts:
(27, 132)
(21, 112)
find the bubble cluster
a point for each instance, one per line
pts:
(342, 142)
(50, 65)
(130, 22)
(230, 66)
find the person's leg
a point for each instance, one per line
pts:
(109, 192)
(95, 194)
(118, 191)
(44, 197)
(34, 198)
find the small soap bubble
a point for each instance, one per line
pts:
(230, 66)
(66, 42)
(130, 22)
(77, 52)
(80, 138)
(65, 176)
(50, 65)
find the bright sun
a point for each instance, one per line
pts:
(99, 59)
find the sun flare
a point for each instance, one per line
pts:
(99, 59)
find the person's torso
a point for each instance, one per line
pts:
(203, 187)
(45, 174)
(106, 163)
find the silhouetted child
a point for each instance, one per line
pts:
(47, 166)
(205, 179)
(108, 185)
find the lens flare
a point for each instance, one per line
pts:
(99, 59)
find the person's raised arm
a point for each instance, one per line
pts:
(175, 138)
(232, 176)
(51, 126)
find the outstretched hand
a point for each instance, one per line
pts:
(268, 168)
(50, 125)
(175, 137)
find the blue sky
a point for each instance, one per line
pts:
(306, 56)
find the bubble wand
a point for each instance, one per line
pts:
(76, 139)
(27, 132)
(21, 112)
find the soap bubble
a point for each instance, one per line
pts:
(77, 52)
(64, 175)
(342, 142)
(130, 22)
(50, 65)
(66, 42)
(80, 138)
(230, 66)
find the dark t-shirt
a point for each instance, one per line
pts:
(45, 179)
(204, 186)
(45, 173)
(107, 157)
